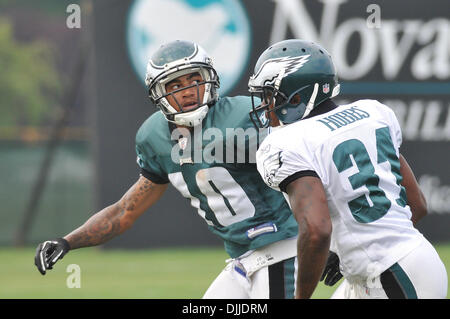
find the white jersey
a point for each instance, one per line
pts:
(354, 150)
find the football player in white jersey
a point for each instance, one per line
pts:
(348, 186)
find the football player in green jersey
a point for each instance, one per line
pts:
(219, 177)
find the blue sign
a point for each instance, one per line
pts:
(221, 27)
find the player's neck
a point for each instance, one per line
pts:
(324, 107)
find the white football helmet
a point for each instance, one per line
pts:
(171, 61)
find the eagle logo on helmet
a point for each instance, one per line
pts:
(292, 64)
(271, 68)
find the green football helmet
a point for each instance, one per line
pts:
(290, 78)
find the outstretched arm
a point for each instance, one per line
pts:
(117, 218)
(104, 225)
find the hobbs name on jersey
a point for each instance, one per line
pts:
(343, 118)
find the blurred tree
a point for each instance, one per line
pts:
(30, 87)
(5, 2)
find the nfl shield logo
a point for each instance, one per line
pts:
(326, 88)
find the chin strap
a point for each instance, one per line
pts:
(192, 118)
(310, 105)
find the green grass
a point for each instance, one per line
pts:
(183, 273)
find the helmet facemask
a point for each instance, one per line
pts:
(264, 101)
(171, 61)
(287, 108)
(297, 75)
(193, 116)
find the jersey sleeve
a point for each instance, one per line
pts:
(148, 162)
(280, 164)
(397, 131)
(394, 125)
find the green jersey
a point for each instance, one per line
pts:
(214, 166)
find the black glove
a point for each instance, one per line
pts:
(49, 252)
(331, 273)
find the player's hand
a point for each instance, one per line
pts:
(331, 273)
(49, 252)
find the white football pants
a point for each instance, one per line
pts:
(420, 274)
(265, 273)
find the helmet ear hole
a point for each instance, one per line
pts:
(295, 99)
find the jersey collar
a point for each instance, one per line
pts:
(324, 107)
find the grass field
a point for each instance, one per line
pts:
(162, 274)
